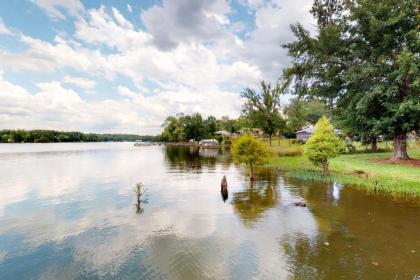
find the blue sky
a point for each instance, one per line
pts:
(123, 66)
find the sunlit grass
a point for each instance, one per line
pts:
(359, 170)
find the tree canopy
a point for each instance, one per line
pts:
(301, 111)
(51, 136)
(262, 108)
(181, 127)
(364, 60)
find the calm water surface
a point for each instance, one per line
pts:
(67, 211)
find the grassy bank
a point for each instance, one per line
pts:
(362, 170)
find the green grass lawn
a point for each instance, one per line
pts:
(359, 170)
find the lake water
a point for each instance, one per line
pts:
(67, 211)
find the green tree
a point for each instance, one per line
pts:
(173, 130)
(210, 126)
(323, 144)
(227, 124)
(250, 151)
(301, 111)
(262, 108)
(193, 127)
(366, 63)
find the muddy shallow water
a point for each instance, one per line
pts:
(67, 211)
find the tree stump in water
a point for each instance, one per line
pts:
(224, 184)
(223, 188)
(300, 203)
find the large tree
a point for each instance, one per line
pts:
(364, 59)
(262, 108)
(194, 126)
(300, 112)
(173, 130)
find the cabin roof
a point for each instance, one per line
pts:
(306, 129)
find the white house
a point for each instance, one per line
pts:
(223, 133)
(208, 143)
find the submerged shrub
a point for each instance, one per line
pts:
(251, 151)
(323, 144)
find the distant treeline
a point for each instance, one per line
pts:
(51, 136)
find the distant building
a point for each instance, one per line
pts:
(208, 142)
(305, 132)
(257, 132)
(223, 133)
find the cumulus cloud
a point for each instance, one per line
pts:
(3, 28)
(82, 83)
(44, 56)
(187, 50)
(129, 8)
(113, 31)
(56, 107)
(54, 8)
(273, 20)
(178, 21)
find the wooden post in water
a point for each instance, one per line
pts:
(223, 189)
(224, 185)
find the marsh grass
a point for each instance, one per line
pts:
(359, 170)
(289, 152)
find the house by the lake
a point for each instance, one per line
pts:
(208, 143)
(223, 133)
(306, 131)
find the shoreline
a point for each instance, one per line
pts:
(359, 171)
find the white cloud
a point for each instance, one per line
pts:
(114, 32)
(191, 56)
(273, 20)
(54, 7)
(82, 83)
(4, 29)
(121, 20)
(181, 21)
(129, 8)
(44, 56)
(56, 107)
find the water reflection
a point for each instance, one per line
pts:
(193, 157)
(70, 215)
(259, 196)
(354, 232)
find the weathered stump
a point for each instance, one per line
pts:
(224, 185)
(300, 203)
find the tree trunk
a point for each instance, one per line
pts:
(251, 178)
(374, 145)
(326, 171)
(400, 147)
(269, 139)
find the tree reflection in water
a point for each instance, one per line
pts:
(353, 232)
(260, 195)
(140, 197)
(193, 157)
